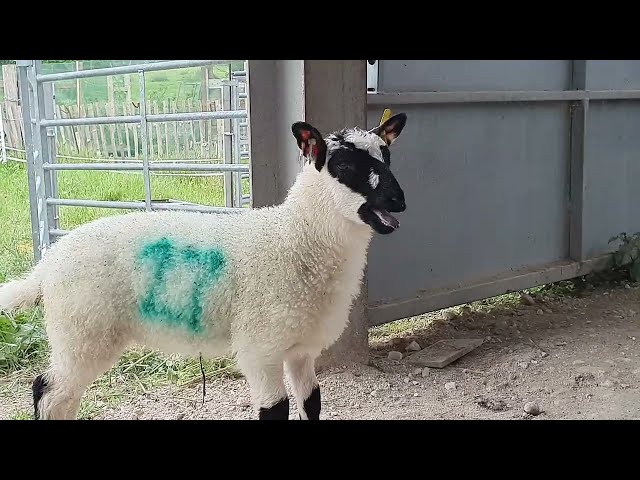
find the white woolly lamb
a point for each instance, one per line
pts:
(272, 286)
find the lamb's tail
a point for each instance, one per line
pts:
(20, 294)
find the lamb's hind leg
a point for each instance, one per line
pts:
(302, 376)
(75, 363)
(266, 382)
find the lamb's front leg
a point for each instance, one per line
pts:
(266, 382)
(302, 376)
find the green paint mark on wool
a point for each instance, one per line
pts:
(203, 268)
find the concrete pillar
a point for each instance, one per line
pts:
(329, 94)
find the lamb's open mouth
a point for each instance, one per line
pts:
(386, 218)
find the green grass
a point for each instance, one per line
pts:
(164, 85)
(23, 344)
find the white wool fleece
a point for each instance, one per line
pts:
(270, 283)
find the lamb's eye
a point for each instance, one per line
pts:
(344, 166)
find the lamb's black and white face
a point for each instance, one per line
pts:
(359, 161)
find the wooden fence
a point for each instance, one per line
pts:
(180, 140)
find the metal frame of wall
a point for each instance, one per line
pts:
(40, 144)
(579, 260)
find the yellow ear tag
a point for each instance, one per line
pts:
(386, 115)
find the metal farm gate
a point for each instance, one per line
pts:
(516, 173)
(40, 132)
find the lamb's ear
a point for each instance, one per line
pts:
(311, 143)
(391, 129)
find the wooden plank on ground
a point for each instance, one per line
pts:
(442, 353)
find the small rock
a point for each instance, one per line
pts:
(414, 382)
(418, 371)
(607, 383)
(532, 408)
(578, 362)
(374, 393)
(180, 416)
(414, 346)
(406, 380)
(527, 299)
(523, 365)
(547, 310)
(492, 404)
(394, 355)
(426, 371)
(540, 311)
(627, 286)
(356, 405)
(544, 354)
(450, 386)
(488, 338)
(449, 315)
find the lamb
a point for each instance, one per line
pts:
(272, 286)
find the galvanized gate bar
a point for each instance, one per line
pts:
(418, 98)
(139, 205)
(144, 133)
(151, 118)
(26, 100)
(213, 167)
(42, 184)
(126, 69)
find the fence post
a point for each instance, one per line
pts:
(227, 143)
(346, 88)
(34, 182)
(48, 91)
(280, 93)
(3, 146)
(579, 124)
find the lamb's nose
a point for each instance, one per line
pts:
(400, 203)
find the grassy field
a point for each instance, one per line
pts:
(23, 345)
(171, 84)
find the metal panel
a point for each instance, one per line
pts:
(486, 189)
(461, 75)
(516, 173)
(612, 173)
(613, 75)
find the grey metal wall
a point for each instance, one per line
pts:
(516, 173)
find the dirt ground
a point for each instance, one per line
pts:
(577, 358)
